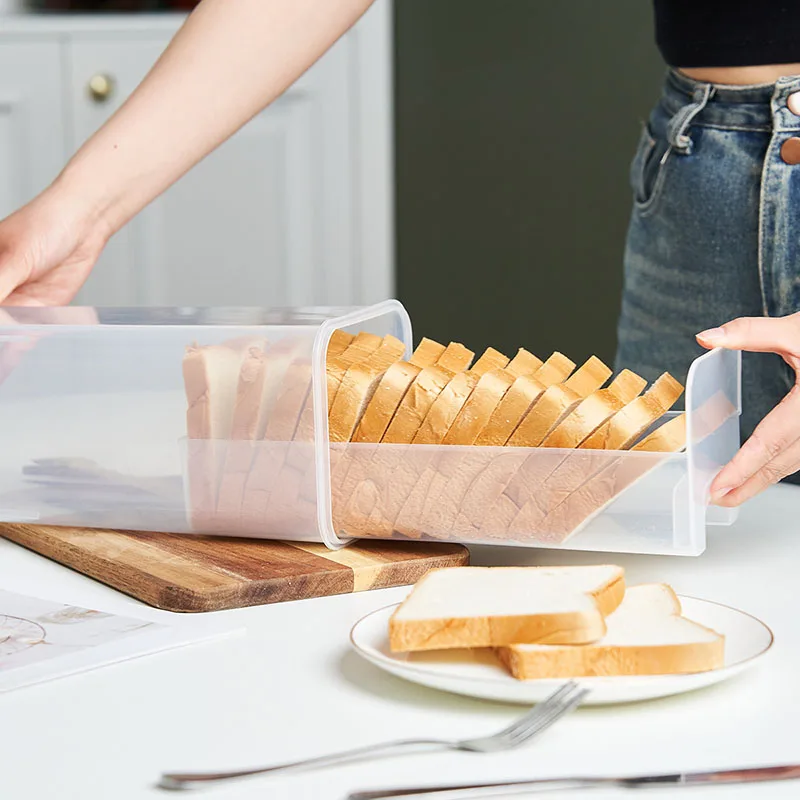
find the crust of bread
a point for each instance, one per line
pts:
(596, 660)
(385, 401)
(414, 407)
(557, 402)
(476, 412)
(361, 346)
(428, 352)
(512, 409)
(556, 369)
(524, 363)
(572, 628)
(445, 409)
(358, 386)
(491, 359)
(627, 425)
(595, 410)
(455, 357)
(584, 502)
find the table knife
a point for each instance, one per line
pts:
(717, 777)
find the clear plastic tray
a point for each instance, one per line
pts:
(97, 422)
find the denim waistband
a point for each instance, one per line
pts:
(760, 108)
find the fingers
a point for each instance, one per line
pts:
(770, 454)
(756, 334)
(771, 473)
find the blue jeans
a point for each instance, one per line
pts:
(711, 235)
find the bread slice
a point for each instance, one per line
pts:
(427, 353)
(453, 479)
(462, 607)
(510, 411)
(211, 382)
(421, 395)
(368, 472)
(524, 363)
(436, 426)
(626, 426)
(542, 490)
(647, 635)
(340, 340)
(358, 387)
(391, 391)
(595, 410)
(455, 357)
(556, 369)
(557, 402)
(363, 345)
(577, 507)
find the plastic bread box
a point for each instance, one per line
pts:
(95, 406)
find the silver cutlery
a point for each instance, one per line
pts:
(472, 792)
(535, 721)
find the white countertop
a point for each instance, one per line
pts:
(291, 688)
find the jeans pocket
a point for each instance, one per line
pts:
(648, 168)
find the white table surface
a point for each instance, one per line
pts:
(291, 687)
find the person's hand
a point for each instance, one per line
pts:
(773, 450)
(47, 250)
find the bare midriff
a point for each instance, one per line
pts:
(742, 76)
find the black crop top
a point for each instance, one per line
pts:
(727, 33)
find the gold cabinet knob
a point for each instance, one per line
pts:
(101, 87)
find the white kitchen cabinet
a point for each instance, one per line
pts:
(295, 209)
(32, 143)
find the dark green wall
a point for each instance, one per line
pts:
(516, 121)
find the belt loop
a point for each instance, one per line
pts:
(676, 129)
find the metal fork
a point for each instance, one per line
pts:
(535, 721)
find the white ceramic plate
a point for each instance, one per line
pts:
(478, 674)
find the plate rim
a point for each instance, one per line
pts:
(606, 679)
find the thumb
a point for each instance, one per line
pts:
(756, 334)
(13, 273)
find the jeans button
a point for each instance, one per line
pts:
(793, 103)
(790, 150)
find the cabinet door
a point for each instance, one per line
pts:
(31, 120)
(267, 219)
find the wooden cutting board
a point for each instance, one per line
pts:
(193, 573)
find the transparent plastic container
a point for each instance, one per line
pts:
(108, 421)
(602, 500)
(97, 407)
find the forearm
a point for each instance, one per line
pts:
(229, 60)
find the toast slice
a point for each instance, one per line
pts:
(515, 404)
(524, 363)
(463, 607)
(557, 402)
(627, 425)
(436, 427)
(358, 387)
(392, 389)
(362, 346)
(595, 411)
(534, 477)
(647, 635)
(374, 478)
(489, 392)
(576, 508)
(211, 382)
(422, 393)
(556, 369)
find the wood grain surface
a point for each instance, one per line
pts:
(187, 573)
